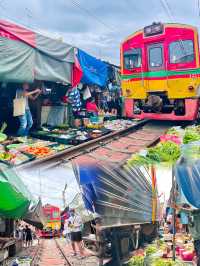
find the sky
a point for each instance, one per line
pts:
(98, 27)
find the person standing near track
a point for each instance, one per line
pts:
(75, 224)
(28, 237)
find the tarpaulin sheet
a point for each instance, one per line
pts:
(188, 178)
(95, 72)
(35, 216)
(27, 55)
(16, 61)
(118, 195)
(14, 197)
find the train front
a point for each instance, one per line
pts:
(160, 73)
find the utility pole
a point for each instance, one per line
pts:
(63, 195)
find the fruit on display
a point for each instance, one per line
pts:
(94, 126)
(6, 156)
(169, 137)
(39, 151)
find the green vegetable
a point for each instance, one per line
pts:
(136, 261)
(150, 250)
(139, 160)
(164, 152)
(191, 135)
(3, 137)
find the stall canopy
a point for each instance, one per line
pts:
(188, 179)
(94, 71)
(26, 55)
(35, 216)
(15, 199)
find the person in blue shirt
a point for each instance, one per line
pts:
(74, 98)
(184, 217)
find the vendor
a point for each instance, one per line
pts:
(91, 106)
(74, 99)
(114, 106)
(26, 120)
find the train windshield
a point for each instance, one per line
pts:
(181, 52)
(156, 56)
(133, 58)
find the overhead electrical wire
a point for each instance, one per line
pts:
(167, 8)
(88, 12)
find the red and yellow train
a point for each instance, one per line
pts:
(53, 225)
(160, 71)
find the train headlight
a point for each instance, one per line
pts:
(190, 88)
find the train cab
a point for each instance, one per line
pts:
(160, 72)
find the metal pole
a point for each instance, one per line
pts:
(174, 214)
(63, 195)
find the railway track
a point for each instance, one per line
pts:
(50, 253)
(142, 134)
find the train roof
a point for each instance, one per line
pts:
(178, 25)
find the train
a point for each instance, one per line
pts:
(125, 200)
(53, 225)
(160, 73)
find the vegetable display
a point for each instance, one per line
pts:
(136, 261)
(164, 152)
(191, 134)
(150, 250)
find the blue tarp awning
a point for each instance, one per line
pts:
(88, 180)
(95, 72)
(188, 179)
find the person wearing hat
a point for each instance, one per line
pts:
(75, 224)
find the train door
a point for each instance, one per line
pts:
(156, 75)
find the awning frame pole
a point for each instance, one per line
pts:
(174, 213)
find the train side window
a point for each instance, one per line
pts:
(181, 52)
(133, 58)
(155, 57)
